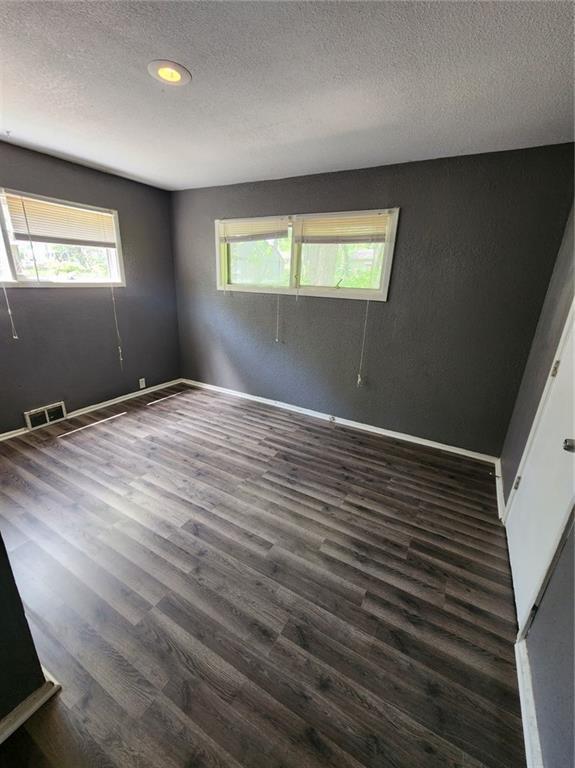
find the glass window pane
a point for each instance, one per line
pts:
(347, 265)
(260, 262)
(53, 262)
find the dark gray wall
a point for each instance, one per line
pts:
(552, 662)
(67, 346)
(20, 671)
(551, 322)
(477, 241)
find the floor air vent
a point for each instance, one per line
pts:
(45, 415)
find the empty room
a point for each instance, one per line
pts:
(287, 431)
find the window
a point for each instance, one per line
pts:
(48, 242)
(347, 255)
(257, 251)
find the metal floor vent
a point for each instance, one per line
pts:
(47, 414)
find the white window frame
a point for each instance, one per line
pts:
(15, 282)
(294, 288)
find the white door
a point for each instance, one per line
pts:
(539, 508)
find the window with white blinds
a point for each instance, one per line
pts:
(51, 242)
(255, 253)
(346, 255)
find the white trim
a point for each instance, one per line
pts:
(26, 708)
(499, 489)
(528, 713)
(361, 294)
(14, 433)
(538, 414)
(95, 407)
(345, 422)
(50, 284)
(121, 398)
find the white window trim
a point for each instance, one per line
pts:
(16, 283)
(294, 289)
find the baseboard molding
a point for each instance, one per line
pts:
(122, 398)
(96, 407)
(345, 422)
(13, 433)
(28, 707)
(286, 407)
(533, 753)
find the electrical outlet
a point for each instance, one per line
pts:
(142, 383)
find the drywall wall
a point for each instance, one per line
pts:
(67, 347)
(552, 661)
(556, 307)
(21, 672)
(477, 241)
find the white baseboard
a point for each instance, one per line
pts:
(13, 433)
(121, 398)
(346, 422)
(26, 708)
(287, 407)
(95, 407)
(533, 753)
(278, 404)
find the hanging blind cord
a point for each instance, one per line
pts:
(9, 308)
(360, 368)
(30, 238)
(278, 319)
(118, 337)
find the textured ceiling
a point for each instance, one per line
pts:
(282, 88)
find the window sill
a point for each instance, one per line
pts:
(324, 293)
(52, 284)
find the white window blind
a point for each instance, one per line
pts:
(361, 227)
(43, 221)
(244, 230)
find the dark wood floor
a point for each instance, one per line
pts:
(219, 583)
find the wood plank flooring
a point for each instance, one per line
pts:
(220, 584)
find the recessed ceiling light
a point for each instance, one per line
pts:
(169, 72)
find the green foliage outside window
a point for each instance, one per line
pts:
(52, 261)
(260, 262)
(346, 265)
(267, 263)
